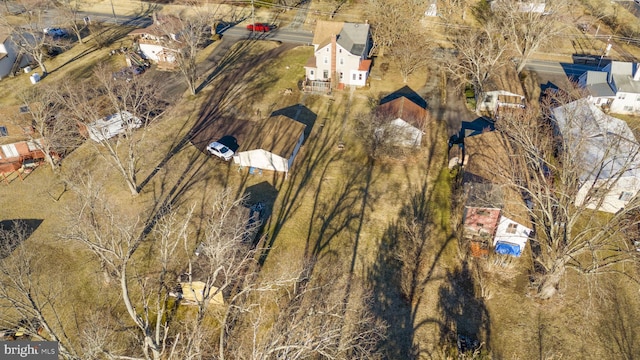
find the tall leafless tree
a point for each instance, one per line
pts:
(114, 237)
(562, 181)
(527, 31)
(391, 20)
(189, 32)
(103, 96)
(28, 35)
(476, 56)
(411, 55)
(27, 298)
(69, 10)
(52, 132)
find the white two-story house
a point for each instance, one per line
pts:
(340, 56)
(616, 88)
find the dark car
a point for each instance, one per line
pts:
(128, 73)
(259, 27)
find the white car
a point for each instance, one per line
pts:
(219, 150)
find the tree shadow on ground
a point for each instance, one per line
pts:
(466, 321)
(319, 151)
(15, 231)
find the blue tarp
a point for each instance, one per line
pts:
(504, 248)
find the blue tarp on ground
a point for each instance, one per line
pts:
(504, 248)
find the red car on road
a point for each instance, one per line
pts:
(259, 27)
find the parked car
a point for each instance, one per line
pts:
(128, 73)
(259, 27)
(219, 150)
(54, 32)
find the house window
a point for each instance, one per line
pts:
(622, 96)
(628, 108)
(327, 49)
(10, 151)
(359, 76)
(354, 76)
(480, 225)
(341, 61)
(3, 131)
(325, 74)
(341, 75)
(340, 51)
(625, 196)
(326, 59)
(482, 212)
(311, 72)
(638, 98)
(511, 229)
(32, 145)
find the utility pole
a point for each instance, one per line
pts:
(115, 18)
(253, 20)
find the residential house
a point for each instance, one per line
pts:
(606, 151)
(481, 216)
(110, 126)
(531, 6)
(160, 41)
(273, 145)
(616, 88)
(340, 56)
(408, 118)
(11, 59)
(502, 90)
(16, 144)
(495, 216)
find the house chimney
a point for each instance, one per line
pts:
(334, 50)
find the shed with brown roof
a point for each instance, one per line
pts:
(408, 117)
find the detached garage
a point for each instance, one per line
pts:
(273, 145)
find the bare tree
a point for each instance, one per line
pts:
(314, 318)
(476, 55)
(191, 32)
(28, 36)
(53, 133)
(567, 166)
(137, 104)
(114, 237)
(381, 135)
(390, 21)
(28, 298)
(69, 11)
(527, 31)
(410, 55)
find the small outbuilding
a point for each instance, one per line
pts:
(273, 146)
(112, 125)
(409, 119)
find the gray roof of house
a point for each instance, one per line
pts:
(622, 76)
(354, 38)
(483, 195)
(606, 144)
(597, 85)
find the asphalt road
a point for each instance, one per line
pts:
(291, 36)
(556, 68)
